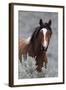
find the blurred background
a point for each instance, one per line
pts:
(27, 22)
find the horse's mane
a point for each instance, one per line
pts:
(35, 34)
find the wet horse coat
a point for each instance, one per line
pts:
(36, 46)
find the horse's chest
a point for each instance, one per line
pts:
(41, 56)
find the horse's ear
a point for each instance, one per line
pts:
(41, 22)
(50, 22)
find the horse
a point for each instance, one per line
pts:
(36, 46)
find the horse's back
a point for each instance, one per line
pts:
(23, 47)
(23, 43)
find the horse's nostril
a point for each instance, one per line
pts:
(44, 48)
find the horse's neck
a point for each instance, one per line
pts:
(29, 47)
(33, 50)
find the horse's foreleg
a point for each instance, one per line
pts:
(39, 66)
(46, 61)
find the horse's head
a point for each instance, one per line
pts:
(45, 34)
(41, 36)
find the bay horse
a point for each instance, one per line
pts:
(36, 46)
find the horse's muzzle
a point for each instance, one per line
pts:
(44, 48)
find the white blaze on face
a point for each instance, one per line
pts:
(45, 41)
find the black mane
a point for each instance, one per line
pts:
(35, 33)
